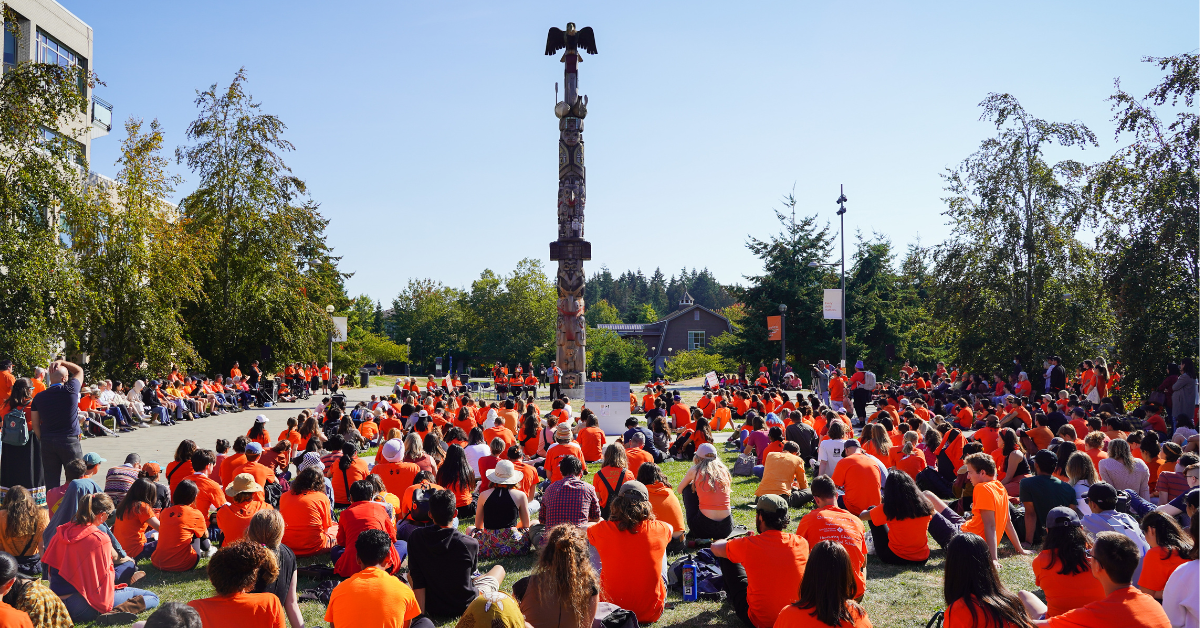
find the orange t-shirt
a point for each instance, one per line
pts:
(501, 432)
(633, 580)
(907, 538)
(1122, 608)
(989, 436)
(228, 466)
(1064, 592)
(307, 521)
(636, 458)
(175, 477)
(591, 442)
(179, 526)
(666, 506)
(1096, 455)
(959, 616)
(774, 563)
(233, 518)
(722, 418)
(1157, 567)
(211, 494)
(392, 604)
(987, 496)
(860, 477)
(556, 453)
(130, 529)
(261, 610)
(831, 523)
(792, 617)
(263, 439)
(612, 474)
(343, 479)
(396, 476)
(261, 472)
(293, 437)
(913, 463)
(387, 423)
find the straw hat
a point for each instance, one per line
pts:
(504, 474)
(243, 483)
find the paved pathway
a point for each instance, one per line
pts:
(158, 442)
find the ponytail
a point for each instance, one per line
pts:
(349, 453)
(90, 506)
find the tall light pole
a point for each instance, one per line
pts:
(408, 343)
(782, 337)
(841, 201)
(329, 310)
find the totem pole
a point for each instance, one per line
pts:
(571, 250)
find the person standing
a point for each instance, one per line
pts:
(56, 420)
(1183, 391)
(554, 375)
(862, 385)
(820, 376)
(21, 465)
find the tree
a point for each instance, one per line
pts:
(139, 264)
(882, 311)
(788, 279)
(1013, 268)
(619, 359)
(251, 212)
(645, 314)
(432, 315)
(687, 364)
(602, 313)
(41, 183)
(507, 318)
(1144, 202)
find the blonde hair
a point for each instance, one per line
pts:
(910, 442)
(880, 438)
(1080, 468)
(614, 456)
(1119, 450)
(266, 527)
(90, 507)
(1094, 439)
(714, 473)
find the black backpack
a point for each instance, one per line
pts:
(612, 492)
(420, 510)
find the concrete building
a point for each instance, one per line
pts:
(689, 327)
(46, 32)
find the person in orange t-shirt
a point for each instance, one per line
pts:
(180, 528)
(258, 431)
(234, 517)
(973, 591)
(362, 515)
(233, 571)
(499, 430)
(563, 446)
(1062, 569)
(591, 438)
(632, 545)
(309, 528)
(900, 524)
(133, 516)
(826, 601)
(989, 509)
(396, 473)
(7, 379)
(827, 522)
(773, 562)
(859, 476)
(1169, 546)
(348, 469)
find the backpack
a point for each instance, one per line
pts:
(869, 380)
(420, 510)
(612, 492)
(15, 431)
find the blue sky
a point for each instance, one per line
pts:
(426, 130)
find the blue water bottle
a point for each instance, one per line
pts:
(691, 590)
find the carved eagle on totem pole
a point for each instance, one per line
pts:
(570, 39)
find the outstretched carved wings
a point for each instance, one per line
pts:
(586, 39)
(557, 40)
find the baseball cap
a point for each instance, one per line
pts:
(851, 442)
(706, 451)
(152, 468)
(92, 459)
(262, 418)
(633, 486)
(393, 450)
(771, 503)
(1062, 517)
(1101, 492)
(254, 448)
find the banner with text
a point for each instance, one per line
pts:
(833, 303)
(773, 327)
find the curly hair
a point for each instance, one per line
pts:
(21, 512)
(307, 480)
(629, 511)
(237, 566)
(564, 571)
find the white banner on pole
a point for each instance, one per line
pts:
(833, 303)
(339, 328)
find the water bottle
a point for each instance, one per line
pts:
(691, 591)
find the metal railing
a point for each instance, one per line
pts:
(101, 113)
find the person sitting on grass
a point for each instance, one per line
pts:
(28, 603)
(134, 516)
(22, 523)
(564, 589)
(989, 509)
(783, 474)
(664, 503)
(233, 572)
(972, 589)
(502, 521)
(305, 507)
(705, 489)
(233, 517)
(182, 532)
(1042, 492)
(1062, 570)
(442, 563)
(1102, 500)
(762, 571)
(828, 522)
(1169, 548)
(85, 570)
(372, 596)
(900, 525)
(363, 514)
(632, 545)
(612, 474)
(827, 600)
(1114, 559)
(266, 529)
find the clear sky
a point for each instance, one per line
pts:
(426, 130)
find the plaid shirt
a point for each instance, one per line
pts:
(569, 500)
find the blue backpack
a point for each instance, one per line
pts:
(15, 431)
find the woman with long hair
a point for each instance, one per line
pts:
(1063, 453)
(30, 597)
(258, 431)
(829, 599)
(1081, 475)
(972, 589)
(879, 444)
(632, 545)
(454, 474)
(21, 525)
(1123, 470)
(1150, 449)
(134, 516)
(310, 429)
(1062, 569)
(181, 466)
(900, 526)
(528, 436)
(414, 452)
(310, 528)
(614, 471)
(266, 528)
(80, 565)
(705, 489)
(21, 465)
(1011, 465)
(348, 470)
(1169, 548)
(433, 445)
(563, 591)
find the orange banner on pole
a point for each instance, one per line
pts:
(773, 327)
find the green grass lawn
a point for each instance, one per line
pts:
(896, 597)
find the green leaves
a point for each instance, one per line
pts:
(618, 359)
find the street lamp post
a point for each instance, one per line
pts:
(782, 337)
(408, 362)
(329, 310)
(841, 201)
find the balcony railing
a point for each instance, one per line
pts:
(101, 114)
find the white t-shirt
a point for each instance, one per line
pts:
(1181, 598)
(830, 452)
(474, 453)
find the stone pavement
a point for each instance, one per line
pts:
(158, 442)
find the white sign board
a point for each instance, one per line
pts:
(611, 416)
(339, 329)
(710, 380)
(833, 303)
(607, 392)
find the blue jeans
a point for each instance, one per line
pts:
(758, 471)
(78, 608)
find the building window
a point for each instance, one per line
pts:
(695, 340)
(49, 50)
(10, 45)
(696, 315)
(75, 146)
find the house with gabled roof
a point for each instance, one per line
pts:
(690, 326)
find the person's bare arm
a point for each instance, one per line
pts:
(718, 549)
(36, 419)
(420, 595)
(74, 371)
(291, 605)
(523, 508)
(153, 521)
(1030, 522)
(989, 532)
